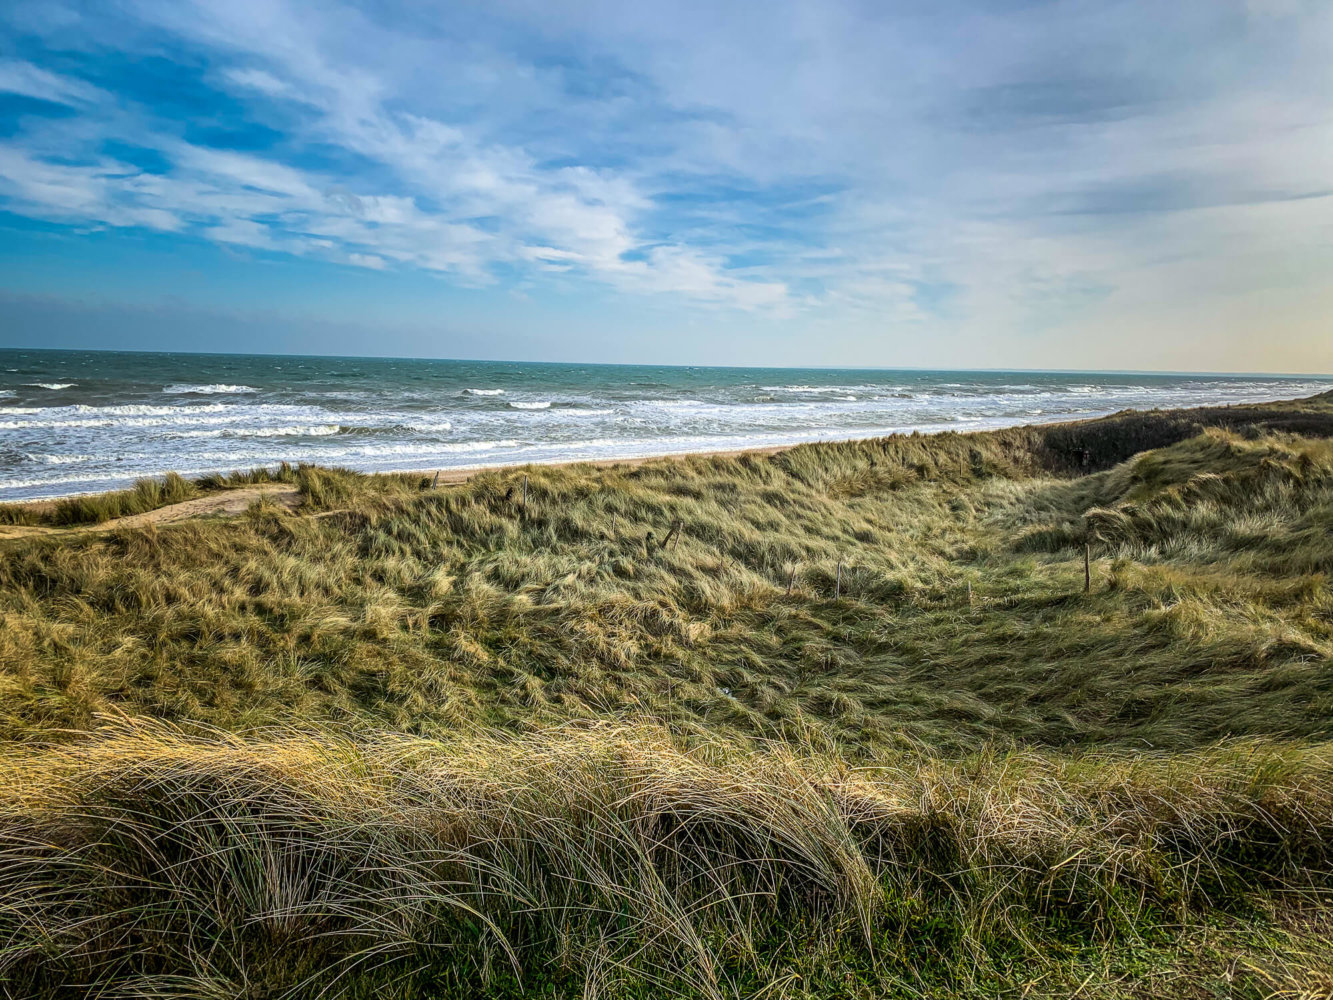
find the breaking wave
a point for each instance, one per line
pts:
(218, 388)
(314, 430)
(144, 416)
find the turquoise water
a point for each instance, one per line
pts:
(73, 422)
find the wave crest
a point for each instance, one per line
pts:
(215, 388)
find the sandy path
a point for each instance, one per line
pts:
(225, 504)
(228, 503)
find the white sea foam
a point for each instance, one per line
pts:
(55, 450)
(56, 459)
(810, 388)
(135, 415)
(467, 446)
(51, 385)
(312, 430)
(57, 485)
(115, 411)
(212, 389)
(374, 454)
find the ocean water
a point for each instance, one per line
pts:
(75, 422)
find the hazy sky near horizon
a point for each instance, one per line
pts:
(950, 183)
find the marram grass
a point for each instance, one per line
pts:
(856, 730)
(617, 857)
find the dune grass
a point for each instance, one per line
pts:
(624, 861)
(839, 721)
(145, 495)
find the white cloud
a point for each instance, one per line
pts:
(32, 81)
(929, 168)
(249, 78)
(582, 216)
(367, 260)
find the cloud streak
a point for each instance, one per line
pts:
(960, 169)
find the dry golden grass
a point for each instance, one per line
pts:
(426, 743)
(217, 865)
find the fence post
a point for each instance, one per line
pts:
(525, 496)
(837, 587)
(436, 481)
(673, 532)
(791, 580)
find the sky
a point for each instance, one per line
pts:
(1099, 184)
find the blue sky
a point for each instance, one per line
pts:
(957, 183)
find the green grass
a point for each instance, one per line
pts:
(145, 495)
(430, 743)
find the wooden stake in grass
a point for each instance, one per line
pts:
(673, 532)
(524, 507)
(436, 481)
(791, 580)
(837, 587)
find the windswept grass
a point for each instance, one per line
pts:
(855, 730)
(622, 860)
(145, 495)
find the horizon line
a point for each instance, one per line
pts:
(648, 364)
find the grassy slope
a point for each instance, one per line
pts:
(983, 779)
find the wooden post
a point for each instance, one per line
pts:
(673, 532)
(969, 593)
(525, 496)
(1087, 566)
(436, 481)
(791, 580)
(613, 526)
(837, 587)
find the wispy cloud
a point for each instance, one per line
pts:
(431, 194)
(27, 80)
(957, 166)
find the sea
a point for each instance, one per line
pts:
(78, 422)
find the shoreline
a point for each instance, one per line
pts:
(455, 475)
(461, 473)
